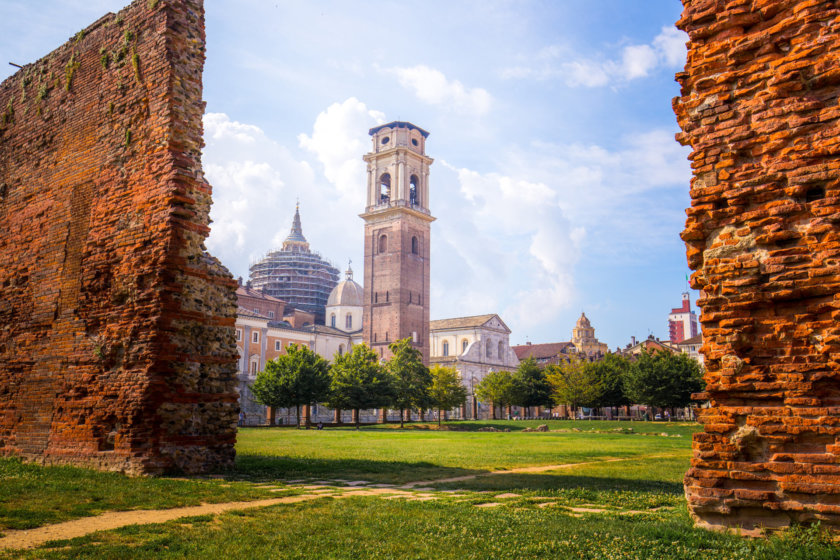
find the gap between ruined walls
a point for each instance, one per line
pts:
(117, 344)
(759, 108)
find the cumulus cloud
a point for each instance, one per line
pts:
(433, 87)
(666, 50)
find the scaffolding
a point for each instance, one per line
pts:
(298, 276)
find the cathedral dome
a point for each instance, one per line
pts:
(347, 293)
(583, 322)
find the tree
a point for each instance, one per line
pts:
(446, 391)
(530, 387)
(610, 373)
(359, 382)
(574, 383)
(411, 378)
(496, 387)
(663, 379)
(298, 377)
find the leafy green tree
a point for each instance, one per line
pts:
(411, 378)
(574, 383)
(497, 387)
(359, 382)
(530, 386)
(663, 379)
(446, 391)
(298, 377)
(610, 372)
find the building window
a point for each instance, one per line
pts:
(464, 344)
(501, 349)
(488, 350)
(445, 348)
(255, 365)
(385, 188)
(383, 243)
(289, 344)
(412, 190)
(277, 345)
(415, 246)
(255, 336)
(271, 314)
(256, 310)
(238, 335)
(348, 321)
(332, 320)
(387, 296)
(340, 349)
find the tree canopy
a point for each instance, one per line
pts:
(663, 379)
(298, 377)
(610, 373)
(446, 391)
(497, 387)
(574, 383)
(358, 381)
(530, 386)
(410, 377)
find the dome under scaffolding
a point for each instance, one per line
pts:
(298, 276)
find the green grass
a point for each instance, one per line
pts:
(388, 455)
(373, 528)
(31, 496)
(642, 508)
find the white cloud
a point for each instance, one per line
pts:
(666, 50)
(432, 86)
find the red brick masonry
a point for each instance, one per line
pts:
(760, 109)
(116, 327)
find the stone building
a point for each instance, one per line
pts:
(397, 237)
(474, 346)
(583, 337)
(295, 274)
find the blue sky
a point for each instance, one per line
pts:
(557, 183)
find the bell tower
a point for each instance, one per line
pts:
(397, 226)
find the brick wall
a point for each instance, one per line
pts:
(759, 107)
(116, 327)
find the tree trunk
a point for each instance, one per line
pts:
(270, 411)
(493, 409)
(440, 414)
(297, 414)
(337, 416)
(402, 417)
(422, 414)
(307, 416)
(509, 412)
(355, 417)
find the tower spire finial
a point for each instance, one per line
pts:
(295, 240)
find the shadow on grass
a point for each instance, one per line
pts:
(266, 468)
(543, 482)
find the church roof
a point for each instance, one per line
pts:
(463, 322)
(347, 292)
(541, 351)
(583, 322)
(398, 124)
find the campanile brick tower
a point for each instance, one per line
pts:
(397, 223)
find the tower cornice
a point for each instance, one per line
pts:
(397, 150)
(393, 210)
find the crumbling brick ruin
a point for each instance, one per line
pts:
(760, 109)
(116, 328)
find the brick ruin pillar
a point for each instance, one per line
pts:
(116, 327)
(759, 107)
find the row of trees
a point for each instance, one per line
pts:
(357, 381)
(662, 380)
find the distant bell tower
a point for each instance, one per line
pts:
(397, 225)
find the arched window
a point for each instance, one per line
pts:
(464, 344)
(348, 322)
(255, 365)
(415, 245)
(332, 320)
(501, 349)
(340, 349)
(385, 188)
(488, 350)
(383, 243)
(445, 348)
(413, 190)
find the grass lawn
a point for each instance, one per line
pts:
(630, 508)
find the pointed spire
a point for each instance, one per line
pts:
(296, 241)
(349, 271)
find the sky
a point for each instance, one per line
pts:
(557, 185)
